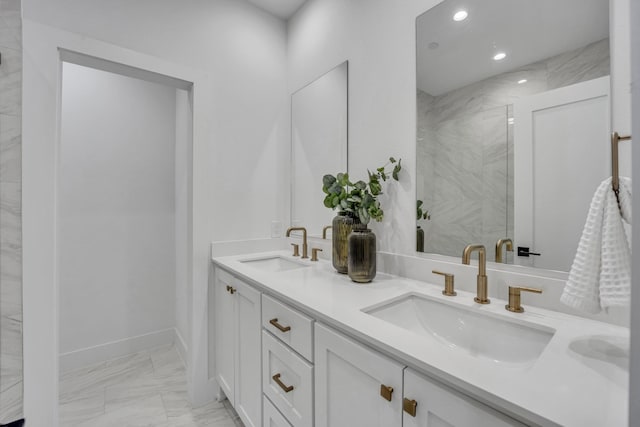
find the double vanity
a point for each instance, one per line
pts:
(297, 344)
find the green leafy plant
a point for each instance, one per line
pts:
(360, 198)
(422, 214)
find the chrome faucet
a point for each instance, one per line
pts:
(304, 238)
(499, 244)
(481, 297)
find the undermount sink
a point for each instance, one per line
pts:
(482, 335)
(274, 264)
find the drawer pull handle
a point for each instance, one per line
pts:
(286, 388)
(386, 392)
(275, 323)
(409, 406)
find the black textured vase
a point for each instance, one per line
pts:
(362, 254)
(420, 239)
(340, 230)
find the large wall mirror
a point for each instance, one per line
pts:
(319, 134)
(512, 125)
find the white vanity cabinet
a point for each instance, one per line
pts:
(355, 386)
(238, 345)
(354, 382)
(428, 404)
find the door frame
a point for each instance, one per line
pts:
(523, 112)
(44, 50)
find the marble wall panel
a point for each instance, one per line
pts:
(11, 369)
(10, 78)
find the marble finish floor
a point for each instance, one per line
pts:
(143, 389)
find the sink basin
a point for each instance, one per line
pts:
(482, 335)
(273, 264)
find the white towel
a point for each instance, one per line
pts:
(600, 276)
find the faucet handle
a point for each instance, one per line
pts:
(296, 249)
(448, 283)
(314, 253)
(514, 297)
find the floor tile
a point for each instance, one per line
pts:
(148, 388)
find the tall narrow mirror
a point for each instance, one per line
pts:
(319, 134)
(512, 126)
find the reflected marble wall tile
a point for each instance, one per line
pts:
(589, 62)
(450, 239)
(504, 88)
(460, 102)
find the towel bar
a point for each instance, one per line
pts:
(615, 175)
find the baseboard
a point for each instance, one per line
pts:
(103, 352)
(181, 346)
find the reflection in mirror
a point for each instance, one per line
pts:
(478, 177)
(319, 130)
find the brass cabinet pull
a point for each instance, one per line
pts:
(275, 323)
(386, 392)
(286, 388)
(409, 406)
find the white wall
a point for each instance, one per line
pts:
(234, 54)
(244, 50)
(378, 39)
(116, 210)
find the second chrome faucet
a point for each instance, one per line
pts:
(481, 296)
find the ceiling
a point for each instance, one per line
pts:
(526, 30)
(281, 8)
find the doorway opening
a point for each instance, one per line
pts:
(124, 199)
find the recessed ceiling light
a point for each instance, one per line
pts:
(499, 56)
(522, 81)
(460, 15)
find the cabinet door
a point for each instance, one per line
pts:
(248, 390)
(272, 418)
(350, 380)
(225, 332)
(439, 406)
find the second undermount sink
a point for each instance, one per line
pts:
(274, 264)
(482, 335)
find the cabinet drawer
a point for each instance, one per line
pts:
(292, 327)
(287, 380)
(273, 418)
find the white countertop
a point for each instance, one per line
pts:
(580, 379)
